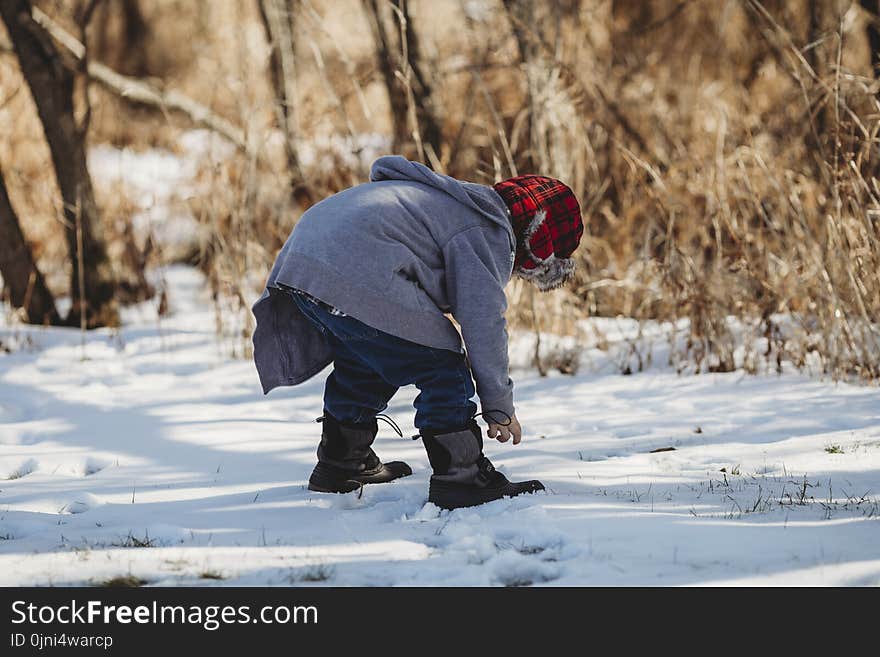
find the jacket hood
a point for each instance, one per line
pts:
(481, 198)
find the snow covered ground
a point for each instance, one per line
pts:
(150, 452)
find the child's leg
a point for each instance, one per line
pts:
(445, 391)
(370, 365)
(367, 372)
(442, 377)
(354, 393)
(462, 475)
(359, 387)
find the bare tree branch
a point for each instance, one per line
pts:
(51, 80)
(137, 91)
(278, 23)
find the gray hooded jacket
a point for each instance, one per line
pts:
(396, 253)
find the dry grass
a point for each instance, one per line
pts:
(725, 155)
(122, 582)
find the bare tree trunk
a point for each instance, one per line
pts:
(516, 14)
(51, 82)
(872, 29)
(399, 61)
(141, 94)
(122, 36)
(426, 113)
(387, 63)
(27, 288)
(134, 48)
(814, 56)
(278, 22)
(520, 13)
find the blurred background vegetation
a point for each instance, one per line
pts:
(725, 152)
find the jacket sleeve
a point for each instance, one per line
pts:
(475, 280)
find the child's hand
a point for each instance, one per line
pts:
(503, 432)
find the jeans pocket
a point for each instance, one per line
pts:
(308, 308)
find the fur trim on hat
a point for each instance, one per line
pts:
(550, 273)
(530, 231)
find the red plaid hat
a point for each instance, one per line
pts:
(547, 224)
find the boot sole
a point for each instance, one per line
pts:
(345, 487)
(327, 479)
(456, 496)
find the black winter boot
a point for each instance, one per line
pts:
(463, 476)
(346, 459)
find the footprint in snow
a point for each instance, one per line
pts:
(510, 568)
(8, 413)
(24, 469)
(10, 531)
(394, 500)
(80, 503)
(630, 433)
(93, 466)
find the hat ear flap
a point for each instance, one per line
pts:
(537, 240)
(550, 274)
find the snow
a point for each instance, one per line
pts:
(356, 151)
(150, 451)
(160, 183)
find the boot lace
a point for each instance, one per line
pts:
(390, 422)
(486, 416)
(379, 416)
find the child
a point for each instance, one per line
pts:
(365, 280)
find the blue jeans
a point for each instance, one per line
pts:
(369, 366)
